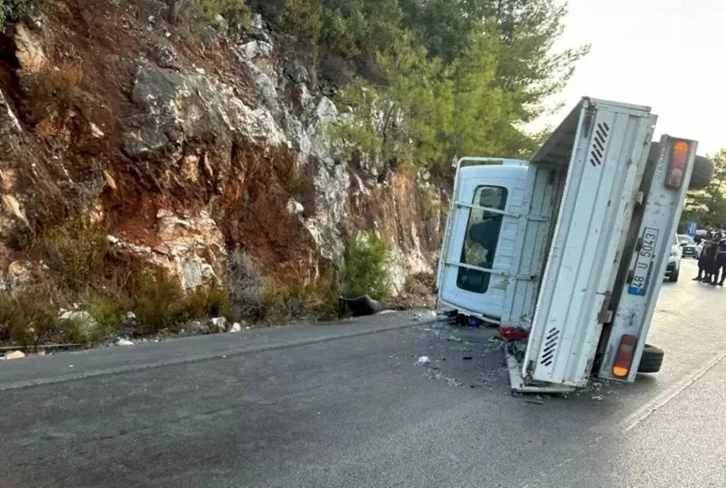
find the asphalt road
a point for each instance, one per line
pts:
(346, 405)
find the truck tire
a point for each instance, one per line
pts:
(702, 173)
(652, 359)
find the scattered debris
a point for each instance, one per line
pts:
(535, 400)
(236, 327)
(123, 342)
(436, 374)
(220, 323)
(454, 339)
(15, 355)
(424, 360)
(468, 358)
(597, 397)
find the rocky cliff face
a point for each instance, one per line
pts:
(186, 147)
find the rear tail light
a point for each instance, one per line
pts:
(679, 159)
(624, 357)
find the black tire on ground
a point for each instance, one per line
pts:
(702, 173)
(652, 359)
(674, 276)
(359, 307)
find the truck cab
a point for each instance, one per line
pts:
(570, 247)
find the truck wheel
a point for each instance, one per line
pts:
(652, 359)
(702, 173)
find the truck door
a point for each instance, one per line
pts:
(478, 256)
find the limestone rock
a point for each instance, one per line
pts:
(14, 355)
(29, 50)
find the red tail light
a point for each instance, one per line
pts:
(679, 158)
(624, 357)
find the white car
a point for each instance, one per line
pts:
(674, 261)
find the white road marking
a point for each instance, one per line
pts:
(632, 421)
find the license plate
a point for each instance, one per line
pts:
(644, 262)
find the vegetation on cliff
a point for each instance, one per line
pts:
(167, 130)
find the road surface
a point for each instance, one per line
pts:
(346, 405)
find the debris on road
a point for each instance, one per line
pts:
(468, 358)
(534, 400)
(423, 360)
(123, 342)
(436, 374)
(220, 323)
(236, 327)
(15, 355)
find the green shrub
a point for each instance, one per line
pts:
(75, 252)
(108, 313)
(366, 261)
(28, 319)
(159, 301)
(198, 13)
(13, 10)
(304, 18)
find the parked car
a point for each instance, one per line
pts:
(689, 248)
(673, 270)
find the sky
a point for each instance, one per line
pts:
(666, 54)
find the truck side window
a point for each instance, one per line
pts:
(482, 236)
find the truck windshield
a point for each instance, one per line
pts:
(482, 235)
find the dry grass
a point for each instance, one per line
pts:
(246, 286)
(75, 251)
(54, 90)
(298, 302)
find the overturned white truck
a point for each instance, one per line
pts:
(567, 252)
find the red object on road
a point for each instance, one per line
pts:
(513, 334)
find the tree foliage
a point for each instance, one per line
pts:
(356, 27)
(304, 18)
(708, 206)
(461, 77)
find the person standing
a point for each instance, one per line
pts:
(707, 261)
(714, 238)
(702, 259)
(720, 267)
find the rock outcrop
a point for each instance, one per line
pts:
(187, 150)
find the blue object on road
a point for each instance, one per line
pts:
(691, 229)
(475, 322)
